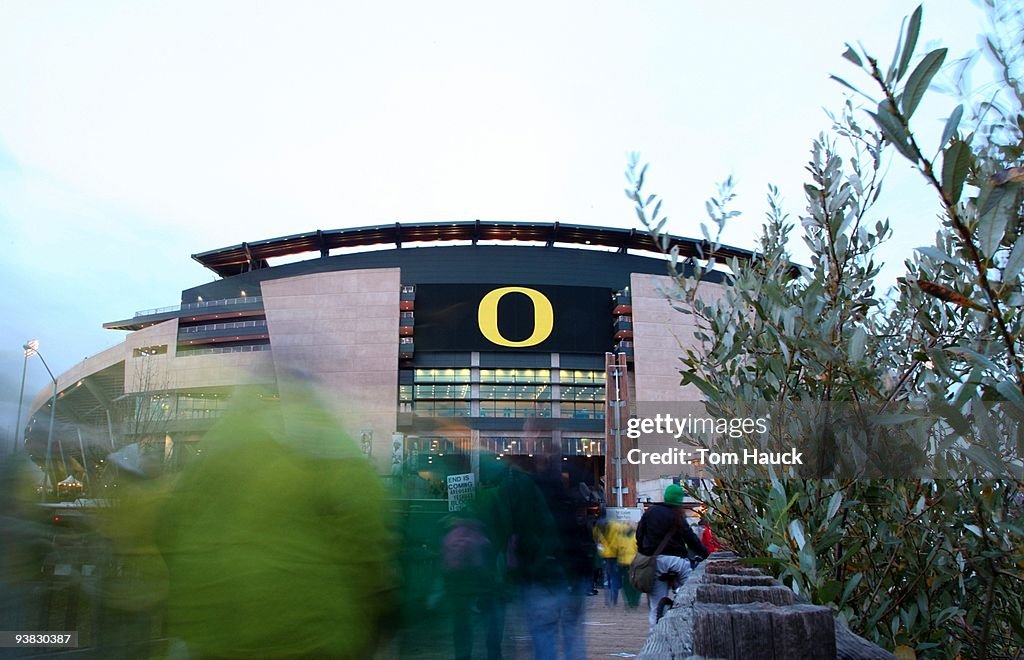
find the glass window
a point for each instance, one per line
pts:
(441, 375)
(441, 392)
(582, 446)
(515, 409)
(586, 393)
(581, 377)
(516, 392)
(524, 376)
(500, 444)
(442, 408)
(440, 445)
(201, 405)
(150, 350)
(582, 410)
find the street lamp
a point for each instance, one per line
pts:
(617, 430)
(32, 348)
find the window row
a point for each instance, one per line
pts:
(499, 393)
(515, 409)
(508, 376)
(160, 407)
(506, 445)
(567, 410)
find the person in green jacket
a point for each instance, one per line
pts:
(276, 541)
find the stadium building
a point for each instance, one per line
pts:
(432, 340)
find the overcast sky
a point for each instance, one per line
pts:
(134, 134)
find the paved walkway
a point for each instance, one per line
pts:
(615, 633)
(611, 633)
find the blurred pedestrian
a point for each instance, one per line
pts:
(277, 539)
(608, 534)
(625, 552)
(549, 550)
(469, 564)
(133, 581)
(707, 537)
(575, 552)
(28, 542)
(664, 525)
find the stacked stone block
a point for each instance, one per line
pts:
(727, 610)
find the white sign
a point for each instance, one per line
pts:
(460, 490)
(624, 514)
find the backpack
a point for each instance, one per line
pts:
(464, 547)
(644, 568)
(642, 571)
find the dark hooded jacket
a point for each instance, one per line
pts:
(658, 521)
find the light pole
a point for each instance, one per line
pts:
(617, 430)
(32, 348)
(29, 348)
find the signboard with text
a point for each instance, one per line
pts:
(624, 514)
(460, 490)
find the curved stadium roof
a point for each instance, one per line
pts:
(247, 257)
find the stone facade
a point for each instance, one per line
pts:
(341, 330)
(661, 334)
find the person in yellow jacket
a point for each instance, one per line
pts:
(608, 535)
(625, 552)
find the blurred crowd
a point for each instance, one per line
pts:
(273, 544)
(280, 540)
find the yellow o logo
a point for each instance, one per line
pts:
(543, 317)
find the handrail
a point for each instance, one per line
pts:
(224, 326)
(157, 310)
(254, 348)
(200, 305)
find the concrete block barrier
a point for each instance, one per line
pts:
(727, 610)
